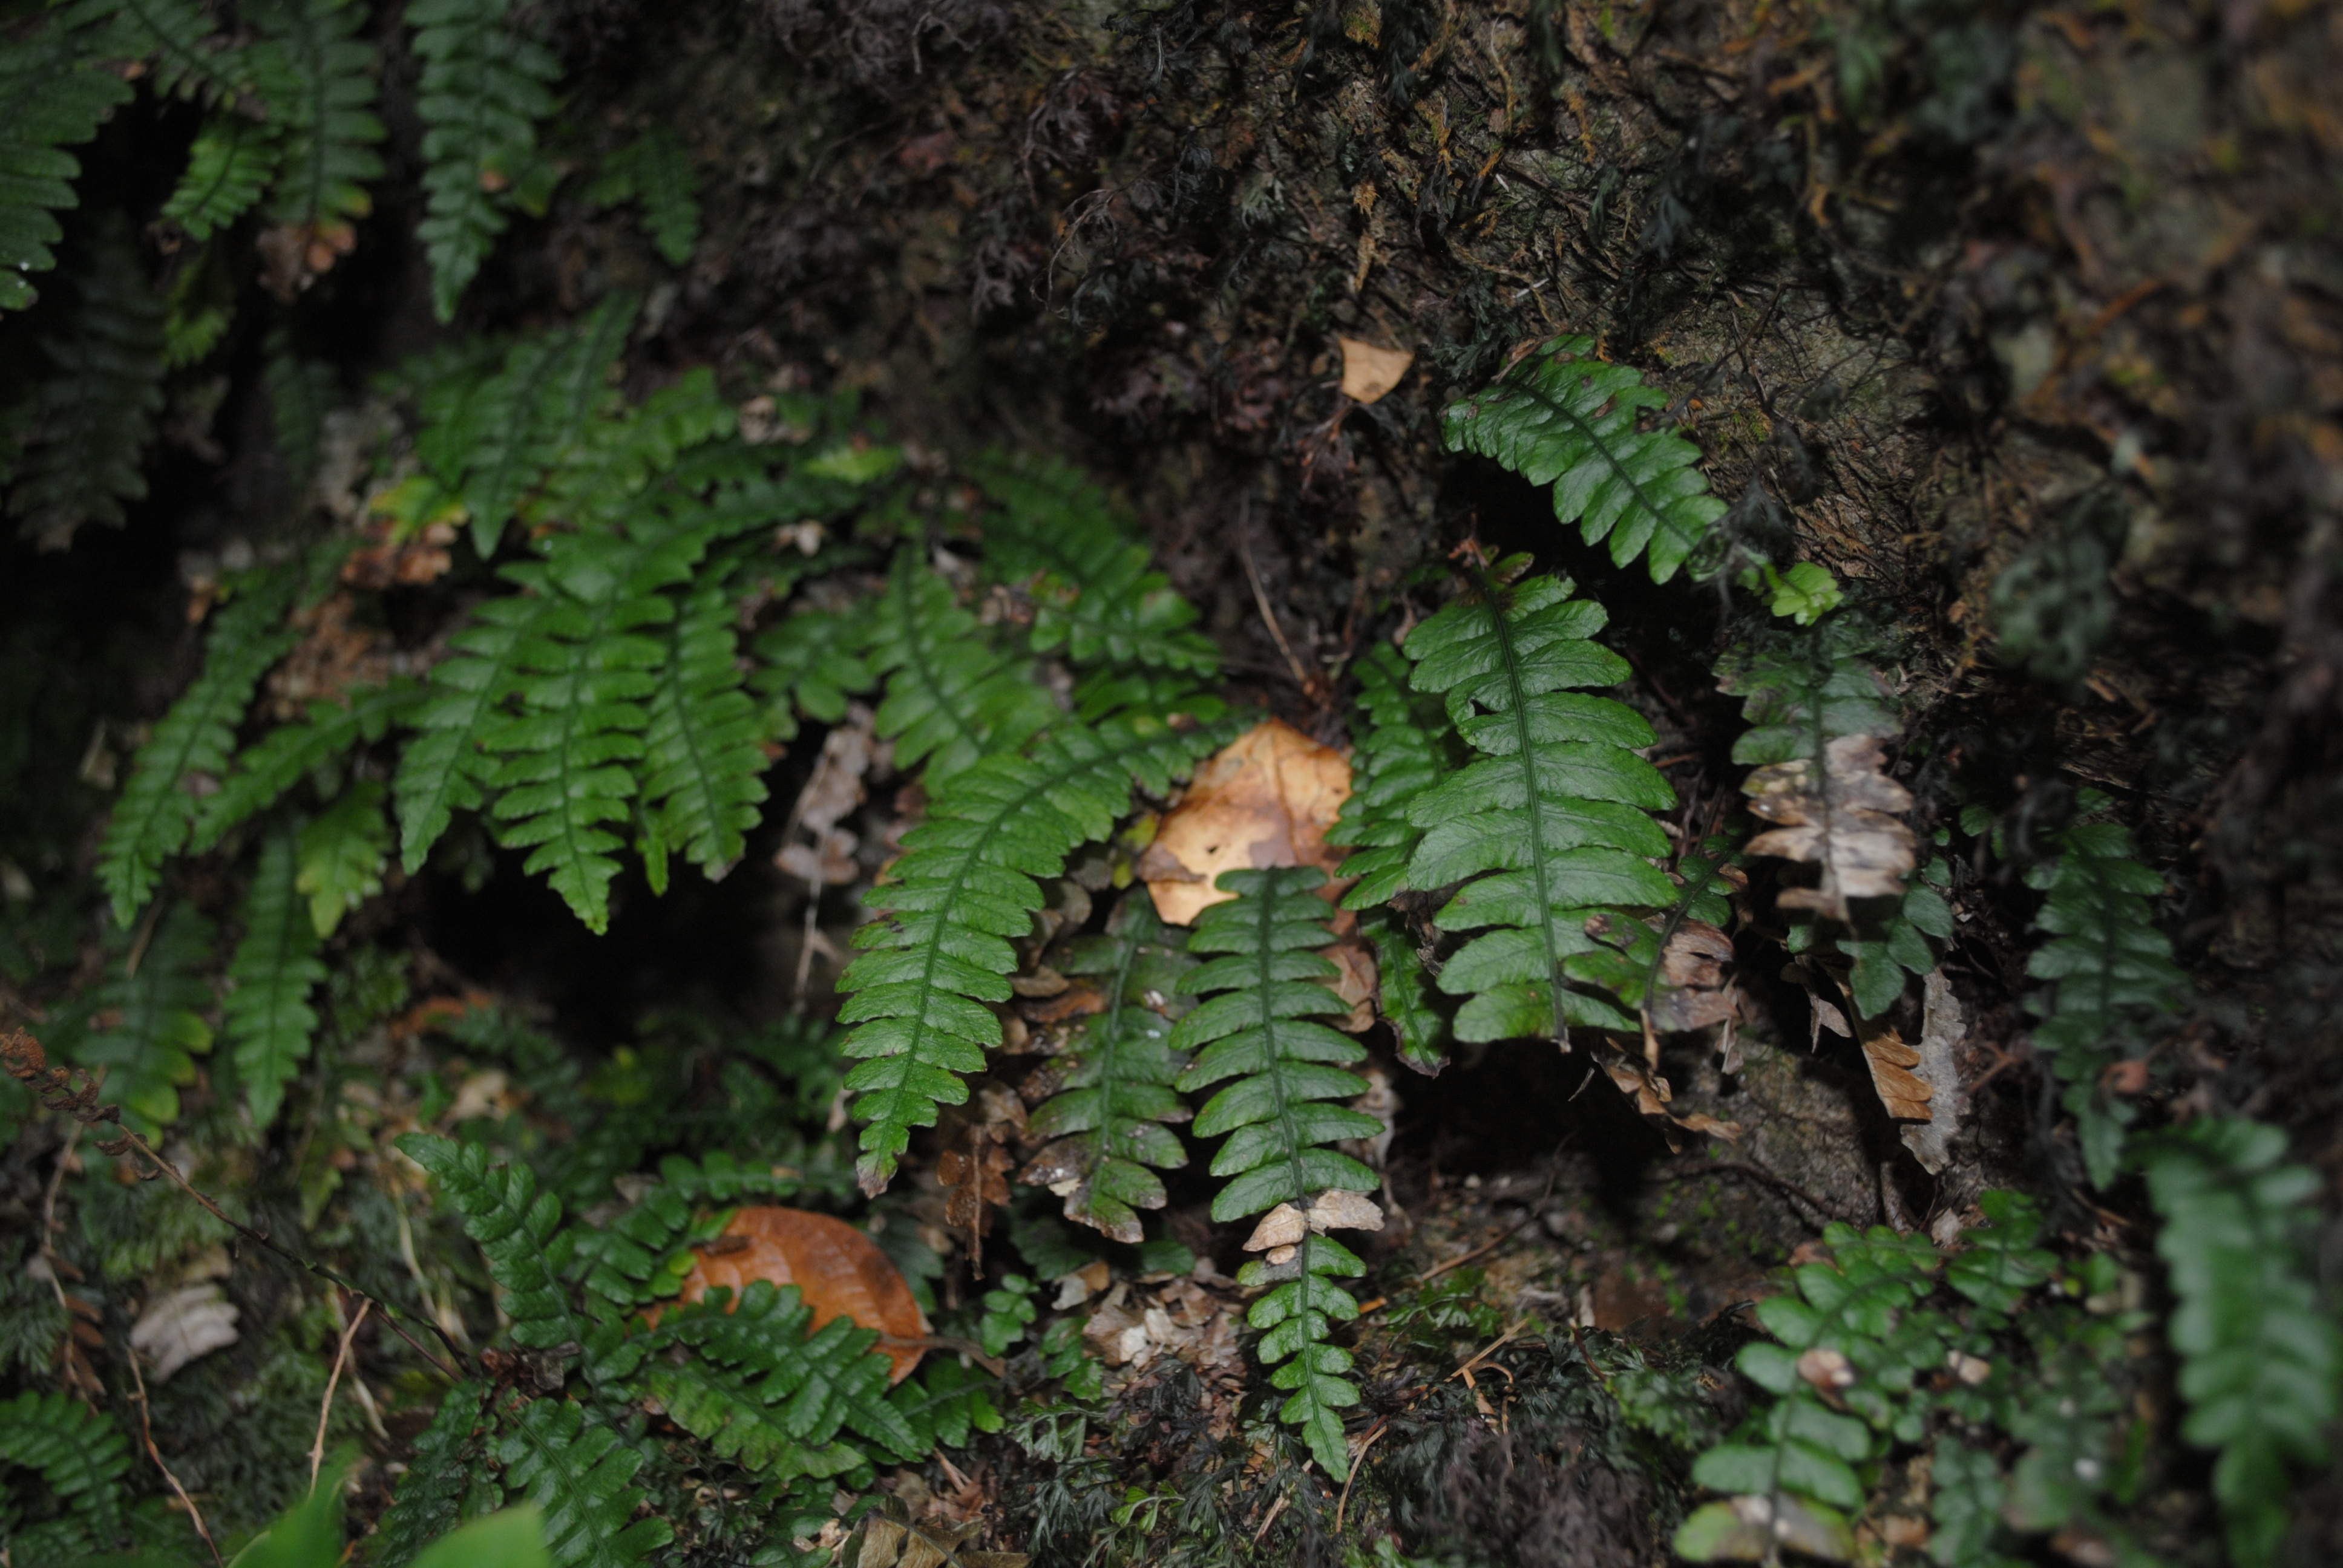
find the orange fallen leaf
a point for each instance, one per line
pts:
(1369, 372)
(1905, 1094)
(841, 1272)
(1266, 799)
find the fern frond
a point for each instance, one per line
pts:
(319, 77)
(599, 477)
(2112, 968)
(581, 1477)
(1631, 957)
(1567, 418)
(232, 161)
(965, 888)
(1403, 996)
(518, 1229)
(1106, 1122)
(952, 695)
(656, 170)
(2261, 1360)
(184, 54)
(57, 99)
(267, 1018)
(443, 769)
(703, 768)
(81, 1458)
(300, 393)
(1093, 595)
(153, 1025)
(720, 1407)
(1256, 1029)
(155, 814)
(812, 663)
(1405, 746)
(484, 91)
(429, 1502)
(97, 407)
(267, 770)
(1550, 822)
(343, 850)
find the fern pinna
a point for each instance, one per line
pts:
(1548, 827)
(268, 1019)
(955, 692)
(81, 1457)
(57, 97)
(147, 1025)
(484, 89)
(1567, 419)
(1264, 987)
(1112, 1089)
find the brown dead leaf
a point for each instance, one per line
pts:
(1355, 982)
(336, 652)
(1693, 991)
(825, 854)
(1942, 1028)
(1651, 1095)
(295, 256)
(888, 1537)
(1849, 822)
(1266, 799)
(1369, 372)
(1891, 1060)
(974, 1168)
(840, 1270)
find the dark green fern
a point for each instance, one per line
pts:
(267, 1018)
(57, 99)
(229, 167)
(654, 170)
(953, 693)
(485, 90)
(432, 1494)
(147, 1021)
(518, 1229)
(318, 79)
(81, 1458)
(810, 664)
(963, 890)
(582, 1477)
(1256, 1029)
(1567, 418)
(704, 777)
(1105, 1123)
(267, 771)
(183, 51)
(1404, 747)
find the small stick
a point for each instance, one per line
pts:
(1357, 1460)
(1466, 1372)
(1261, 597)
(325, 1408)
(147, 1429)
(1276, 1509)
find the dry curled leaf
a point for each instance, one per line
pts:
(1651, 1095)
(183, 1326)
(1369, 372)
(1333, 1209)
(1266, 799)
(975, 1176)
(1694, 990)
(1848, 822)
(889, 1538)
(841, 1272)
(1891, 1061)
(1355, 981)
(1942, 1028)
(826, 853)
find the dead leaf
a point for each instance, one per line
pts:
(1826, 1016)
(1267, 798)
(841, 1272)
(295, 256)
(1849, 822)
(1281, 1227)
(184, 1326)
(1942, 1028)
(1651, 1095)
(1355, 982)
(1380, 1102)
(337, 653)
(889, 1538)
(1336, 1210)
(826, 854)
(1692, 993)
(975, 1177)
(1369, 372)
(828, 859)
(1891, 1060)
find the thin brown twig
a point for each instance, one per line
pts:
(146, 1430)
(325, 1407)
(1261, 597)
(1357, 1460)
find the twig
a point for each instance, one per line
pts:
(49, 1213)
(325, 1408)
(1357, 1460)
(1274, 1510)
(146, 1430)
(1500, 1342)
(1261, 597)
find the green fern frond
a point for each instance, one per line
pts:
(267, 1018)
(1404, 995)
(1106, 1121)
(812, 663)
(1567, 418)
(1093, 595)
(2112, 968)
(81, 1458)
(1405, 746)
(656, 170)
(199, 307)
(444, 769)
(963, 890)
(952, 695)
(150, 1022)
(343, 850)
(484, 92)
(99, 405)
(704, 770)
(581, 1477)
(267, 770)
(300, 393)
(318, 78)
(2262, 1359)
(722, 1408)
(1550, 823)
(231, 164)
(1256, 1029)
(156, 812)
(518, 1229)
(599, 479)
(1630, 959)
(57, 99)
(430, 1499)
(184, 54)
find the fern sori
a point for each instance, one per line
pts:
(81, 1458)
(1105, 1125)
(57, 99)
(654, 170)
(962, 891)
(153, 819)
(1567, 418)
(267, 1018)
(1264, 989)
(1549, 823)
(148, 1025)
(2112, 969)
(1095, 595)
(485, 89)
(953, 695)
(2261, 1360)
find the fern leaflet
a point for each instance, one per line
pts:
(174, 38)
(232, 161)
(1114, 1082)
(963, 888)
(580, 1475)
(81, 1458)
(155, 814)
(1404, 747)
(1404, 995)
(443, 769)
(1565, 418)
(485, 90)
(318, 78)
(657, 171)
(1550, 822)
(705, 770)
(952, 695)
(1258, 1031)
(267, 770)
(57, 99)
(518, 1230)
(151, 1025)
(267, 1018)
(431, 1495)
(811, 663)
(343, 849)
